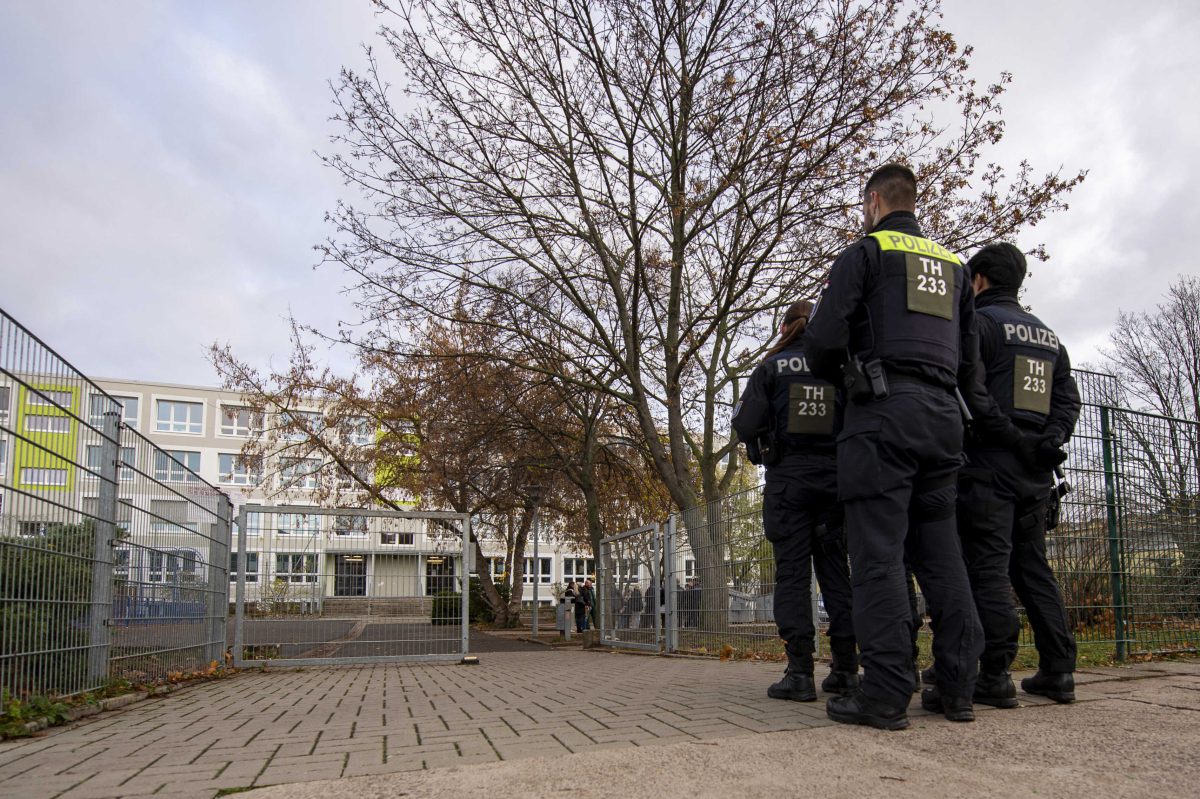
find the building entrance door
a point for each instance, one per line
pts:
(439, 575)
(350, 575)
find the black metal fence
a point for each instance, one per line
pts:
(1126, 551)
(113, 555)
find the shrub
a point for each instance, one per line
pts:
(45, 602)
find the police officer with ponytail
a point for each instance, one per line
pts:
(788, 419)
(896, 322)
(1003, 494)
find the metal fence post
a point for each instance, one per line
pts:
(100, 643)
(669, 610)
(239, 608)
(1114, 540)
(218, 581)
(656, 570)
(467, 552)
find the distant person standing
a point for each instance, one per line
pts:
(575, 593)
(588, 594)
(635, 608)
(793, 417)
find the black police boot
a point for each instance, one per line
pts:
(797, 683)
(996, 690)
(1059, 687)
(840, 682)
(954, 708)
(859, 709)
(843, 675)
(797, 686)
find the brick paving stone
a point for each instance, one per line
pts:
(280, 776)
(281, 726)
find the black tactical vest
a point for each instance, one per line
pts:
(912, 304)
(804, 406)
(1020, 374)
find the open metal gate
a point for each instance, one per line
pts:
(629, 577)
(321, 586)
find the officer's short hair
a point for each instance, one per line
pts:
(896, 184)
(1001, 263)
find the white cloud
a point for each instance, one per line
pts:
(158, 188)
(1106, 87)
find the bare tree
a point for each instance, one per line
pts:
(449, 427)
(1156, 358)
(1157, 355)
(652, 180)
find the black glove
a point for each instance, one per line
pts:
(1042, 452)
(1049, 452)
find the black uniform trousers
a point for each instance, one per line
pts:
(803, 521)
(898, 461)
(1002, 522)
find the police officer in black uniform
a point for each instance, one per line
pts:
(1003, 497)
(796, 414)
(898, 313)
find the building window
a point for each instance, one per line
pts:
(98, 404)
(689, 568)
(36, 423)
(497, 567)
(361, 475)
(359, 433)
(299, 425)
(43, 477)
(296, 567)
(181, 565)
(545, 570)
(3, 457)
(179, 417)
(348, 524)
(253, 523)
(298, 472)
(5, 398)
(240, 421)
(124, 510)
(128, 460)
(251, 566)
(399, 539)
(297, 524)
(234, 471)
(121, 564)
(48, 399)
(176, 465)
(578, 568)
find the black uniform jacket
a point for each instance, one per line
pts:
(1064, 394)
(767, 403)
(842, 308)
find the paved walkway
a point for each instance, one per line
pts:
(273, 727)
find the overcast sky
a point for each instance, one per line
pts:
(159, 189)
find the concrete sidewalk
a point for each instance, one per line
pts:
(675, 727)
